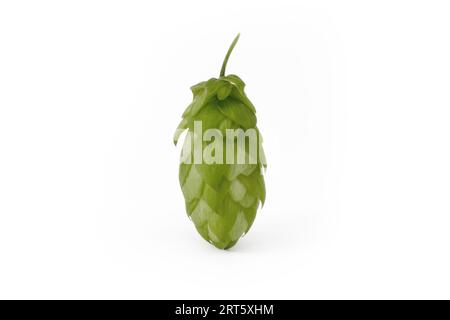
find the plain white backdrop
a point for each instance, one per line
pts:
(353, 102)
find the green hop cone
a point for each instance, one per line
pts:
(222, 162)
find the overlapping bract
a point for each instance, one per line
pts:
(221, 199)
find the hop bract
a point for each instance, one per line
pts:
(222, 161)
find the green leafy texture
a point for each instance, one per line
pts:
(221, 199)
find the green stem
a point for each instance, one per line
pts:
(224, 64)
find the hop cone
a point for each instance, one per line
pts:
(223, 193)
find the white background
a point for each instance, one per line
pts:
(353, 101)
